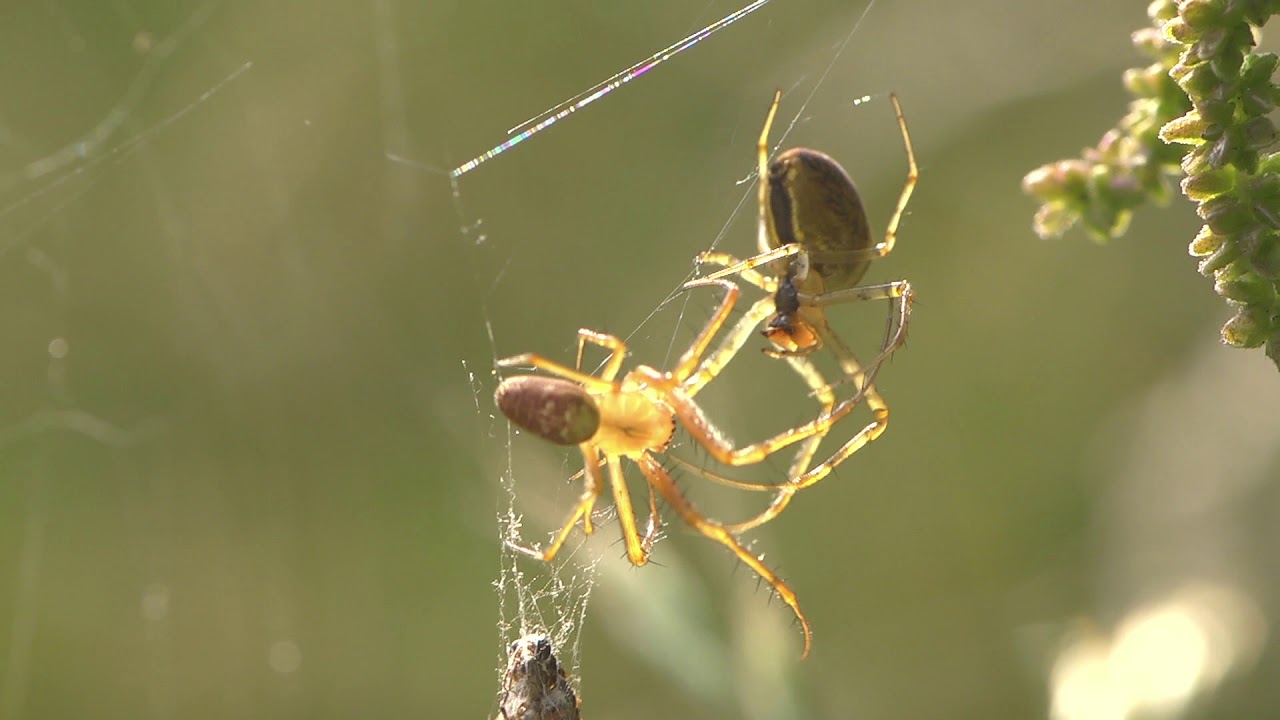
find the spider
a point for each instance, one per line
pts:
(814, 234)
(635, 418)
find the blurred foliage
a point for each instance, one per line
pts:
(1207, 89)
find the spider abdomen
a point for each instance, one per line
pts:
(555, 410)
(812, 201)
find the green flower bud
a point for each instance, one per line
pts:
(1187, 130)
(1246, 330)
(1205, 243)
(1249, 289)
(1209, 184)
(1222, 257)
(1177, 30)
(1199, 80)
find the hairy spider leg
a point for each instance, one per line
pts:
(801, 475)
(660, 479)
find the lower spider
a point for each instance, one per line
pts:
(813, 231)
(634, 418)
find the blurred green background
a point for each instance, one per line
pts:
(249, 463)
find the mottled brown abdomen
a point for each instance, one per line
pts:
(555, 410)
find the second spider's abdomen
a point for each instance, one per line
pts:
(813, 202)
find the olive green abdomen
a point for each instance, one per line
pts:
(813, 202)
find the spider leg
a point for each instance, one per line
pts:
(693, 356)
(615, 345)
(738, 336)
(735, 266)
(592, 462)
(823, 392)
(733, 342)
(636, 551)
(703, 472)
(725, 260)
(661, 480)
(702, 430)
(591, 383)
(655, 524)
(804, 458)
(885, 246)
(886, 291)
(799, 466)
(594, 486)
(762, 173)
(730, 344)
(800, 475)
(879, 410)
(913, 174)
(880, 413)
(900, 290)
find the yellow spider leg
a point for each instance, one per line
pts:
(590, 383)
(727, 481)
(591, 463)
(701, 429)
(734, 341)
(886, 291)
(901, 291)
(615, 345)
(739, 267)
(591, 491)
(913, 174)
(762, 173)
(822, 391)
(880, 411)
(865, 380)
(786, 490)
(869, 433)
(749, 264)
(691, 357)
(800, 476)
(804, 457)
(655, 524)
(626, 514)
(730, 344)
(659, 479)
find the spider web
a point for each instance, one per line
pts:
(534, 600)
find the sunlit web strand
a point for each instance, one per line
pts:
(577, 102)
